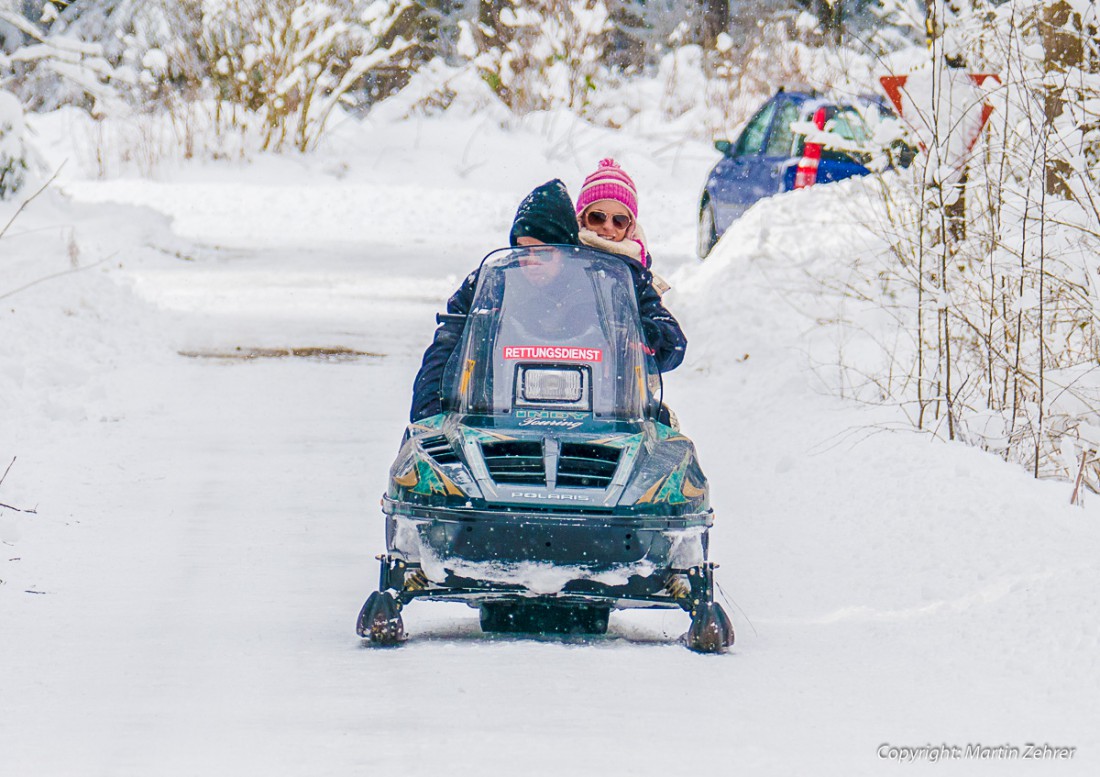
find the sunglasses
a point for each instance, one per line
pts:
(596, 218)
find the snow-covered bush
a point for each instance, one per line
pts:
(782, 50)
(56, 69)
(13, 163)
(994, 283)
(544, 54)
(151, 45)
(289, 63)
(276, 69)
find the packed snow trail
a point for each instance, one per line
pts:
(201, 617)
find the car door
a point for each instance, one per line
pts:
(778, 154)
(734, 183)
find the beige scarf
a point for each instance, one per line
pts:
(627, 247)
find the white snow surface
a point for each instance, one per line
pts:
(186, 541)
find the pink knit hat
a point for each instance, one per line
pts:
(609, 182)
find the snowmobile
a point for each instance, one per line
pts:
(548, 492)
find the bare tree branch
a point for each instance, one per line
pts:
(6, 471)
(13, 292)
(28, 201)
(11, 507)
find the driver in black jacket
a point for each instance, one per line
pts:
(546, 216)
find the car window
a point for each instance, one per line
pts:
(844, 122)
(849, 125)
(752, 139)
(782, 138)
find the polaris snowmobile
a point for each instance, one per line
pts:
(548, 493)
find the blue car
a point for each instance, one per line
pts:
(772, 155)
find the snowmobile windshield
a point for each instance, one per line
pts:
(552, 328)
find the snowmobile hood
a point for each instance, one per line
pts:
(641, 468)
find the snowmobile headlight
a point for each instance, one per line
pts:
(562, 386)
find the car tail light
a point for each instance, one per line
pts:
(806, 174)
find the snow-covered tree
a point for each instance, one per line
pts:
(54, 68)
(996, 249)
(541, 53)
(281, 64)
(290, 62)
(13, 163)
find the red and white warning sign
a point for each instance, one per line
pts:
(946, 109)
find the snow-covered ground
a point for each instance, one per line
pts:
(188, 539)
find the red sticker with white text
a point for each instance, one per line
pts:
(553, 353)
